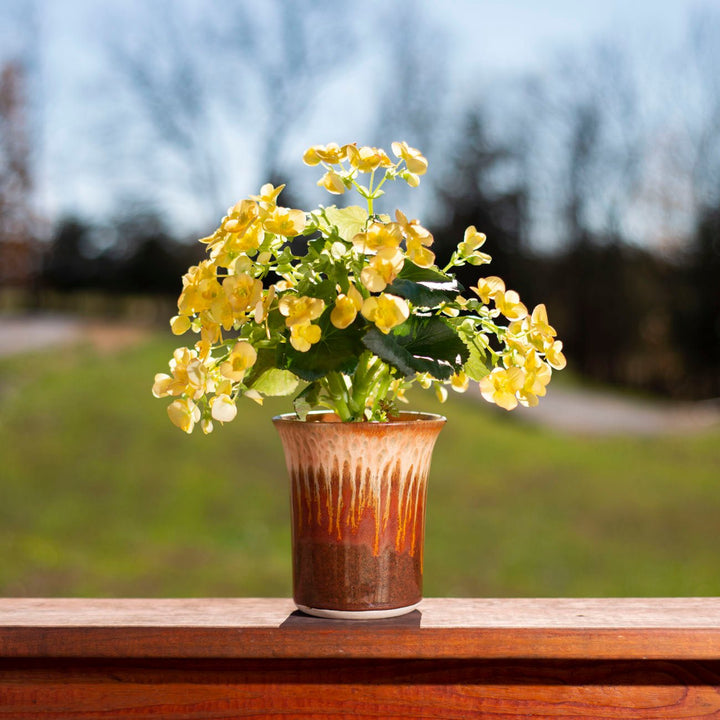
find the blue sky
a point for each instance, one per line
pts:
(483, 43)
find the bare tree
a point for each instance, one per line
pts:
(223, 88)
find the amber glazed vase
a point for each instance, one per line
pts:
(358, 512)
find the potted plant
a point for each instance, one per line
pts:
(345, 309)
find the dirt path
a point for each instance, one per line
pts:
(26, 333)
(567, 410)
(587, 412)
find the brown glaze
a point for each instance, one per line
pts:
(358, 508)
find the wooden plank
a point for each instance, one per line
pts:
(591, 629)
(386, 689)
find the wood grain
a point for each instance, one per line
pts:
(454, 659)
(593, 629)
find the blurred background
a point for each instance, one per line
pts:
(583, 140)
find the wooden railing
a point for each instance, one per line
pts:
(452, 658)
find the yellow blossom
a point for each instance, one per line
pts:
(508, 303)
(332, 182)
(488, 288)
(366, 159)
(468, 248)
(200, 288)
(459, 381)
(425, 380)
(262, 307)
(501, 385)
(188, 376)
(413, 158)
(441, 392)
(378, 236)
(554, 355)
(240, 360)
(248, 241)
(537, 376)
(386, 311)
(223, 408)
(240, 217)
(332, 154)
(300, 310)
(346, 308)
(285, 222)
(303, 335)
(541, 332)
(268, 195)
(243, 293)
(184, 413)
(418, 239)
(383, 269)
(180, 324)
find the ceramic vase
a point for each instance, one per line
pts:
(358, 493)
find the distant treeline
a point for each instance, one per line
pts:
(627, 316)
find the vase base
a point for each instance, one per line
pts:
(357, 614)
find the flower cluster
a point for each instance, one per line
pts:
(356, 318)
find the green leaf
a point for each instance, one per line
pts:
(306, 400)
(337, 350)
(421, 344)
(430, 277)
(349, 221)
(475, 367)
(275, 382)
(419, 294)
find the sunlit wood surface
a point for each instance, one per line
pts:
(453, 658)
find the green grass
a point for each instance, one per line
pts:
(101, 496)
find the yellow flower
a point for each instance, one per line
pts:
(386, 311)
(554, 355)
(383, 269)
(331, 154)
(240, 360)
(184, 413)
(441, 392)
(268, 195)
(378, 236)
(418, 239)
(488, 288)
(200, 288)
(285, 222)
(262, 307)
(248, 241)
(180, 324)
(459, 381)
(501, 385)
(240, 217)
(414, 160)
(468, 248)
(222, 408)
(366, 159)
(332, 182)
(346, 308)
(508, 303)
(188, 376)
(300, 310)
(303, 335)
(537, 377)
(425, 380)
(242, 292)
(541, 332)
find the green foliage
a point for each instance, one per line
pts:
(101, 496)
(420, 345)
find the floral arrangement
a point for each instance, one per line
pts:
(354, 317)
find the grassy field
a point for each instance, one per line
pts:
(101, 496)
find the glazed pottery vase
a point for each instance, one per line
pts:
(358, 512)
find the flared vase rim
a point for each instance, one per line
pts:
(405, 418)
